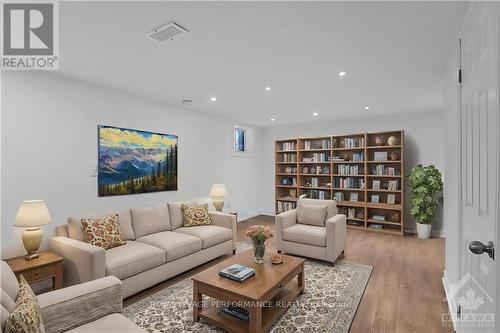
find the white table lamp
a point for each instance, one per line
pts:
(32, 214)
(218, 193)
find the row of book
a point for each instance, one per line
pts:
(289, 181)
(352, 143)
(323, 144)
(384, 170)
(348, 182)
(289, 157)
(393, 185)
(316, 157)
(346, 169)
(318, 194)
(284, 206)
(289, 146)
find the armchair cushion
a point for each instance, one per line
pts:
(305, 234)
(330, 212)
(112, 323)
(313, 215)
(77, 305)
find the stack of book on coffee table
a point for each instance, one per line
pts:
(237, 272)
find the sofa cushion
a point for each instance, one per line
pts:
(332, 205)
(175, 245)
(115, 322)
(210, 235)
(148, 220)
(75, 225)
(305, 234)
(195, 215)
(313, 215)
(9, 281)
(175, 210)
(103, 231)
(26, 316)
(132, 258)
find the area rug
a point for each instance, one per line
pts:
(328, 304)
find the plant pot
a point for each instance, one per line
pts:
(259, 249)
(424, 230)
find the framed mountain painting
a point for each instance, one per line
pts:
(133, 161)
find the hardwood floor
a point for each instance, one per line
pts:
(405, 293)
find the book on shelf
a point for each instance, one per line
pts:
(349, 183)
(237, 272)
(289, 157)
(376, 226)
(289, 146)
(351, 213)
(349, 170)
(318, 144)
(284, 206)
(354, 223)
(378, 217)
(339, 196)
(352, 143)
(391, 199)
(380, 156)
(316, 194)
(358, 157)
(353, 197)
(382, 170)
(237, 312)
(393, 185)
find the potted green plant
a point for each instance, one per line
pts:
(426, 187)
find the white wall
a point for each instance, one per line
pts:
(424, 139)
(49, 150)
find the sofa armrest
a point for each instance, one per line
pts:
(74, 306)
(283, 221)
(82, 262)
(336, 233)
(227, 221)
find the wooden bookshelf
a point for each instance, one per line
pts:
(355, 168)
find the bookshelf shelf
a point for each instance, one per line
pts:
(363, 153)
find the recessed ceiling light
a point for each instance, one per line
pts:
(315, 114)
(367, 108)
(213, 99)
(272, 119)
(267, 88)
(342, 73)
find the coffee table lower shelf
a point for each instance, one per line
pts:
(285, 297)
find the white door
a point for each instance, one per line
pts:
(480, 169)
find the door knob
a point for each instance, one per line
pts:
(477, 247)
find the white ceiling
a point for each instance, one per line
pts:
(395, 54)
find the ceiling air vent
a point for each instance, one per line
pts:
(166, 32)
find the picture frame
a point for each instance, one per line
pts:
(375, 198)
(353, 197)
(380, 156)
(376, 185)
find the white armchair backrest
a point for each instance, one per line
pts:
(332, 205)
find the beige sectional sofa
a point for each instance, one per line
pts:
(158, 247)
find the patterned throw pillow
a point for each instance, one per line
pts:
(26, 316)
(103, 231)
(195, 215)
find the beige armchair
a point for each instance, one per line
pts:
(313, 229)
(94, 306)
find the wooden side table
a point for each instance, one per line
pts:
(47, 266)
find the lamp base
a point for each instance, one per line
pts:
(32, 237)
(218, 204)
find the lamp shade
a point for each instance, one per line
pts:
(32, 213)
(218, 191)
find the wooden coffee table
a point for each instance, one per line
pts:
(276, 283)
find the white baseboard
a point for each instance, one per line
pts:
(452, 306)
(249, 216)
(434, 233)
